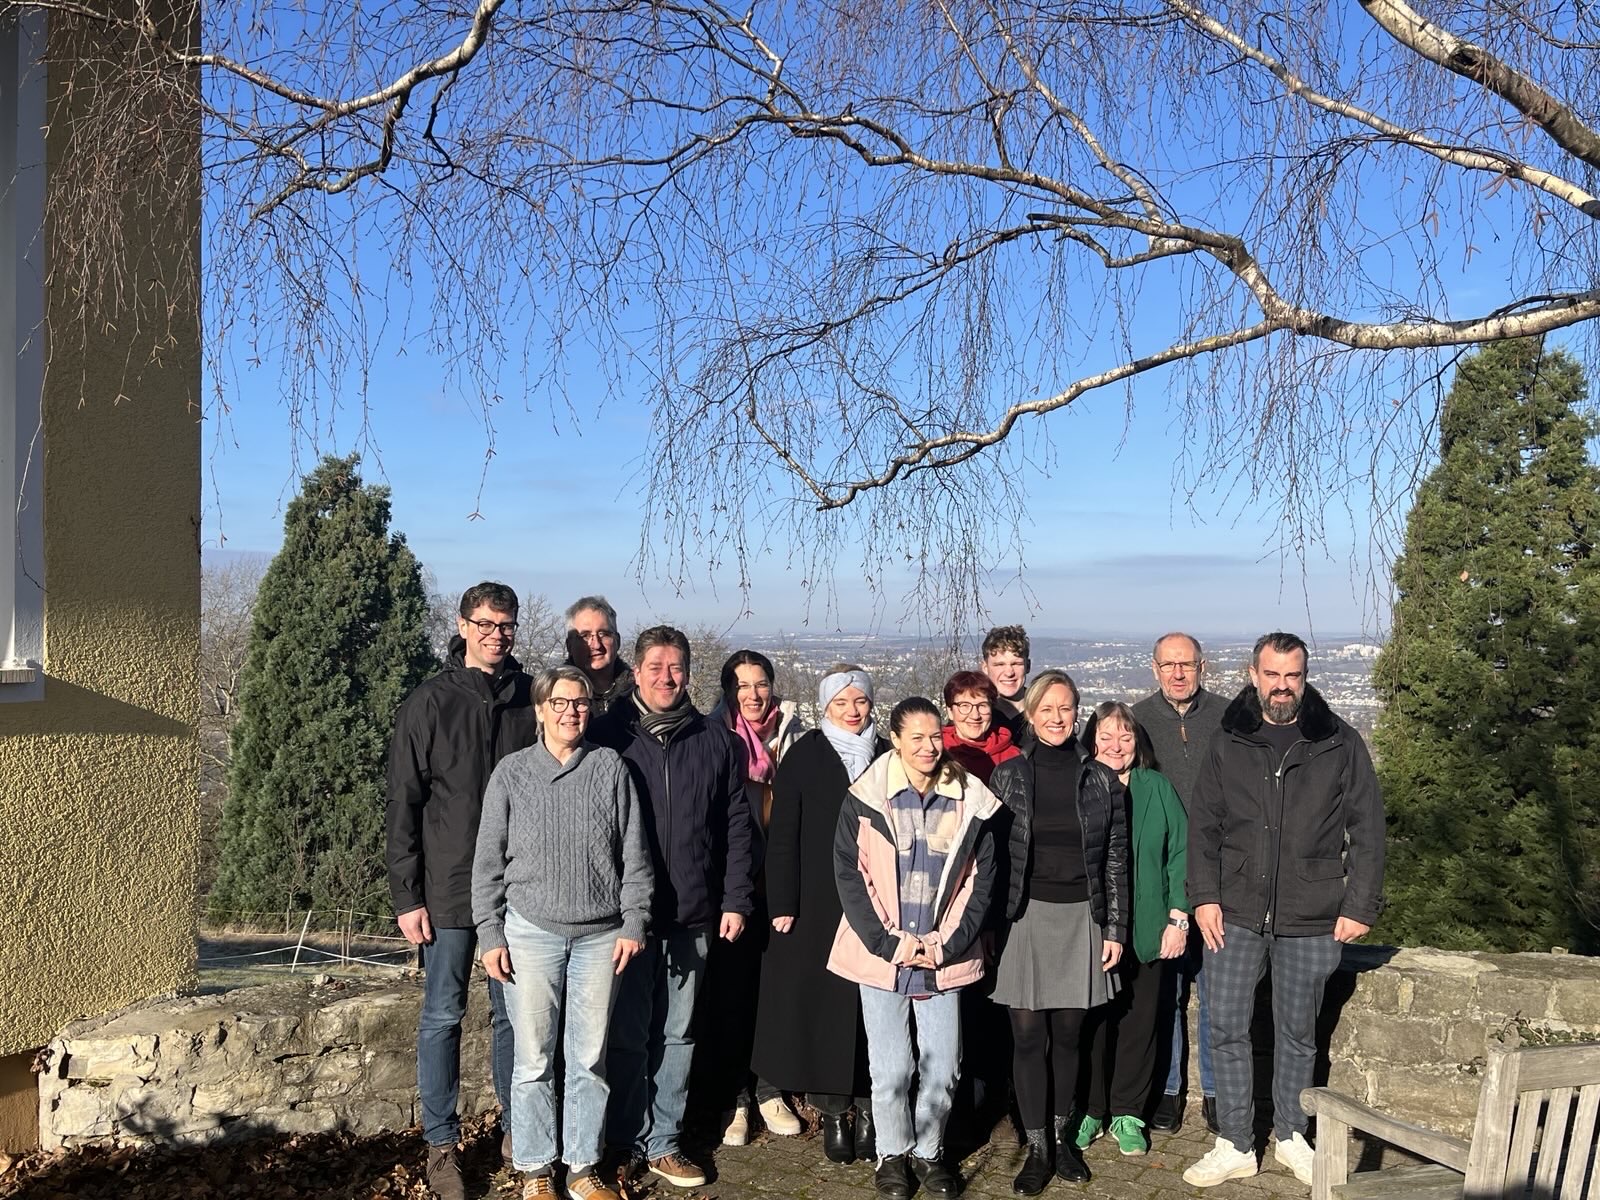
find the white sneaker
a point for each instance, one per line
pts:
(736, 1130)
(1297, 1155)
(1224, 1162)
(779, 1120)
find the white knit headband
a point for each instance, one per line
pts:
(832, 685)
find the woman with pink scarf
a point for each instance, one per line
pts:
(765, 727)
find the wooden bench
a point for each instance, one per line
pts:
(1534, 1138)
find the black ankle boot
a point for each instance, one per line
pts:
(892, 1179)
(1036, 1168)
(866, 1136)
(936, 1178)
(838, 1139)
(1069, 1163)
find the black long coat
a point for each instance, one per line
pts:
(808, 1026)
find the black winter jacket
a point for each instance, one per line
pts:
(448, 735)
(698, 820)
(1103, 817)
(1287, 846)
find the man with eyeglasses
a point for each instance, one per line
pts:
(1180, 716)
(592, 642)
(449, 734)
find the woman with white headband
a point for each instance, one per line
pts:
(808, 1027)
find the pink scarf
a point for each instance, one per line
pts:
(758, 759)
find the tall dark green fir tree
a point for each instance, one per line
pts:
(339, 637)
(1489, 744)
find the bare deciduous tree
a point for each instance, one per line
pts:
(862, 248)
(227, 601)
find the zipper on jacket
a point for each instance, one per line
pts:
(1277, 847)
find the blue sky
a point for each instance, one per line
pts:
(1109, 546)
(1111, 552)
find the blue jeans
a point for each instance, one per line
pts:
(1192, 966)
(562, 986)
(652, 1043)
(447, 974)
(1300, 970)
(903, 1127)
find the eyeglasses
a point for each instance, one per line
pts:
(968, 707)
(560, 704)
(599, 635)
(485, 628)
(1167, 668)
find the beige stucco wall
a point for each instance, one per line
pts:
(98, 780)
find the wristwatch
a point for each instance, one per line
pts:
(1179, 923)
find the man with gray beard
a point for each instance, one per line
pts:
(1286, 848)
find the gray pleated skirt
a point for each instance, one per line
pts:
(1051, 959)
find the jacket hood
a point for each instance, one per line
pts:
(457, 658)
(887, 777)
(1316, 720)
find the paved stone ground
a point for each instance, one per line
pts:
(795, 1167)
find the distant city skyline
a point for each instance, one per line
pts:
(557, 514)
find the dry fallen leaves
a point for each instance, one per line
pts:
(335, 1165)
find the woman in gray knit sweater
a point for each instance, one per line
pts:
(561, 887)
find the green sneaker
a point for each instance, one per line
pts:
(1129, 1133)
(1088, 1130)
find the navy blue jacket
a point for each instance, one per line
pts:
(697, 818)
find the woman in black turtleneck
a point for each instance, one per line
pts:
(1066, 917)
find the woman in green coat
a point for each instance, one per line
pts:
(1122, 1052)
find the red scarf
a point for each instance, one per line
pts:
(980, 758)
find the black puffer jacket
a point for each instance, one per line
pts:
(1103, 817)
(448, 735)
(1287, 846)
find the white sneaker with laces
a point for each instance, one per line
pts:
(736, 1132)
(779, 1119)
(1223, 1162)
(1297, 1155)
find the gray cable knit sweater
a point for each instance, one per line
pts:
(564, 845)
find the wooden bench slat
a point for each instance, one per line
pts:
(1552, 1141)
(1429, 1143)
(1519, 1162)
(1403, 1183)
(1581, 1158)
(1545, 1067)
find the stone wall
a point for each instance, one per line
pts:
(1407, 1032)
(1410, 1029)
(305, 1055)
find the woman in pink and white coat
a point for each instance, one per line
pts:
(914, 859)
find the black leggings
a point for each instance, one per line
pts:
(1045, 1044)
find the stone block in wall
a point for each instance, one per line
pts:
(305, 1055)
(1576, 1003)
(1395, 1039)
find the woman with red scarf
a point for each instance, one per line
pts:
(971, 735)
(979, 743)
(765, 727)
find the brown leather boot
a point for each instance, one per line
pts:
(444, 1173)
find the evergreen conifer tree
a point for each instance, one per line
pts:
(1489, 746)
(339, 636)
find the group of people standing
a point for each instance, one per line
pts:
(851, 908)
